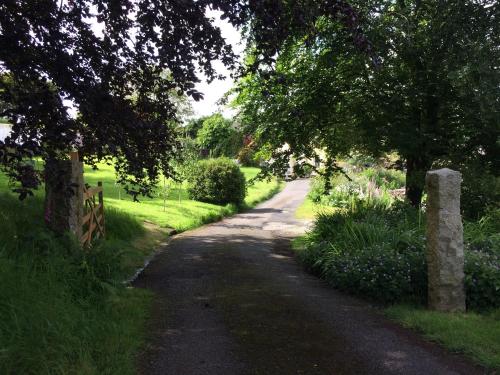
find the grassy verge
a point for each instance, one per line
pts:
(63, 311)
(476, 335)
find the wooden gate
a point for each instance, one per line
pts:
(93, 214)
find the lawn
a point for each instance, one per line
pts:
(170, 205)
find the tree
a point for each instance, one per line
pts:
(219, 136)
(193, 127)
(50, 55)
(111, 73)
(433, 98)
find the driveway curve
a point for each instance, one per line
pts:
(230, 299)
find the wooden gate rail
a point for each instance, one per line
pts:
(93, 216)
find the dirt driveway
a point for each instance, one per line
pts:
(231, 300)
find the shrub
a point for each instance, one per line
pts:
(317, 190)
(363, 251)
(247, 157)
(378, 251)
(217, 181)
(345, 193)
(480, 190)
(482, 260)
(386, 178)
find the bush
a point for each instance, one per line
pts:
(247, 157)
(367, 252)
(480, 190)
(345, 193)
(482, 260)
(317, 189)
(386, 178)
(217, 181)
(379, 252)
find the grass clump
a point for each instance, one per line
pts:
(369, 252)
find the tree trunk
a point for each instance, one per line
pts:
(63, 196)
(416, 168)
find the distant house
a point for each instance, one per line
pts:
(318, 163)
(4, 131)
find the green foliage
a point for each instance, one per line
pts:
(482, 266)
(218, 181)
(63, 310)
(219, 137)
(247, 157)
(379, 251)
(371, 183)
(193, 127)
(480, 190)
(387, 178)
(369, 251)
(317, 190)
(188, 158)
(431, 97)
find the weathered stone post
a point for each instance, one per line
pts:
(445, 250)
(64, 195)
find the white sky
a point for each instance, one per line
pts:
(215, 90)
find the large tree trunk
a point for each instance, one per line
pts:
(63, 196)
(416, 168)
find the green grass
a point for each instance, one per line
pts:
(64, 311)
(309, 210)
(475, 335)
(177, 211)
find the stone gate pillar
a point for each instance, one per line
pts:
(445, 250)
(64, 195)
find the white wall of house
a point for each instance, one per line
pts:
(4, 131)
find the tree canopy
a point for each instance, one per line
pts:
(433, 97)
(107, 58)
(219, 136)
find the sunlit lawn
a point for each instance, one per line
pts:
(309, 210)
(170, 205)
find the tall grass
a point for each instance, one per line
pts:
(63, 310)
(369, 252)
